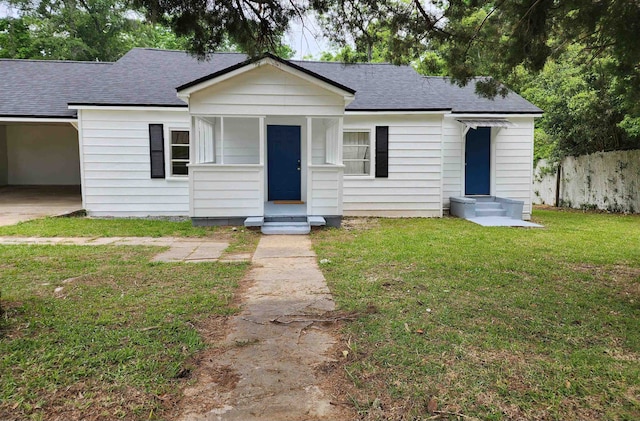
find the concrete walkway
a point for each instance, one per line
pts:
(180, 249)
(273, 346)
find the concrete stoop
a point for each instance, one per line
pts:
(490, 211)
(285, 225)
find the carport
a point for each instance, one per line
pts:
(39, 169)
(22, 203)
(39, 152)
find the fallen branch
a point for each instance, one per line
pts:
(310, 320)
(145, 329)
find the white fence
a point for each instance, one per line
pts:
(604, 180)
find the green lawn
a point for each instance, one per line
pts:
(90, 227)
(116, 340)
(491, 323)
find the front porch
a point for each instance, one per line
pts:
(262, 132)
(244, 172)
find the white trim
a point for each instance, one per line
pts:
(492, 115)
(441, 168)
(83, 193)
(129, 107)
(309, 173)
(37, 120)
(399, 112)
(372, 172)
(262, 62)
(493, 134)
(463, 160)
(224, 166)
(169, 155)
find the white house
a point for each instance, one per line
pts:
(159, 133)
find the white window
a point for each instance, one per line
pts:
(356, 152)
(179, 152)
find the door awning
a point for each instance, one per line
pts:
(474, 123)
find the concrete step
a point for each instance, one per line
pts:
(316, 221)
(491, 212)
(482, 198)
(286, 228)
(488, 205)
(254, 221)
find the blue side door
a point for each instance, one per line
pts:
(283, 162)
(477, 161)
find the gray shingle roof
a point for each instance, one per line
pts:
(40, 88)
(150, 77)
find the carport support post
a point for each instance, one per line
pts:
(4, 160)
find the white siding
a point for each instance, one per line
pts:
(415, 164)
(325, 190)
(512, 166)
(453, 157)
(266, 90)
(511, 161)
(116, 164)
(220, 191)
(42, 154)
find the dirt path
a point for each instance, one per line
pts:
(267, 370)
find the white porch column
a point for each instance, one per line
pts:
(309, 169)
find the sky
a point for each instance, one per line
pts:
(306, 39)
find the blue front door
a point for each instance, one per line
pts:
(477, 161)
(283, 162)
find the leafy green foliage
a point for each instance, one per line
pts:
(584, 112)
(79, 30)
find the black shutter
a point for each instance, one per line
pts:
(156, 148)
(382, 151)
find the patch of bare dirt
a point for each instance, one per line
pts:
(359, 223)
(625, 279)
(204, 380)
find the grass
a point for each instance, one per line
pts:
(115, 342)
(491, 323)
(121, 227)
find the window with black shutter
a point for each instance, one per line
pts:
(156, 148)
(382, 151)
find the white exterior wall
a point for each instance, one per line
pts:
(453, 160)
(42, 154)
(414, 185)
(266, 90)
(3, 156)
(116, 164)
(227, 191)
(511, 161)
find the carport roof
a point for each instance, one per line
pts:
(149, 77)
(43, 88)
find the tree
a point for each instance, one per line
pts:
(495, 36)
(583, 110)
(79, 30)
